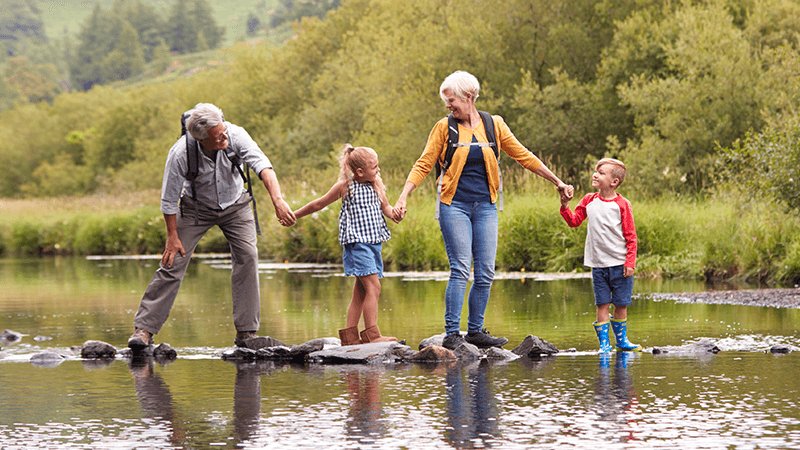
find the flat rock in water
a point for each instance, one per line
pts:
(97, 349)
(500, 354)
(534, 347)
(433, 353)
(240, 354)
(262, 342)
(467, 352)
(47, 358)
(702, 346)
(357, 354)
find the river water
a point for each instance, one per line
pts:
(742, 397)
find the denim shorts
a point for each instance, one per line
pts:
(362, 259)
(611, 286)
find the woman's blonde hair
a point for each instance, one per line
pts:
(460, 83)
(353, 158)
(618, 169)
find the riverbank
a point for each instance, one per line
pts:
(712, 239)
(773, 298)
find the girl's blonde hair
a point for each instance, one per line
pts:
(353, 158)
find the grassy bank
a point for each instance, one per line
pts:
(713, 239)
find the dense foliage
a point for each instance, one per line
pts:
(661, 85)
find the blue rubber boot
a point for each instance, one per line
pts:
(621, 335)
(602, 335)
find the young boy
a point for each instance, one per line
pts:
(610, 249)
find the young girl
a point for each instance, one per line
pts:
(362, 229)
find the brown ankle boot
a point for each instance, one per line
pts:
(373, 334)
(349, 336)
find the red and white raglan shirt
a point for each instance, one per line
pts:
(611, 233)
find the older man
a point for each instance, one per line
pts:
(193, 201)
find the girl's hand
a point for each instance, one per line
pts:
(400, 209)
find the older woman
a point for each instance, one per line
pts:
(469, 187)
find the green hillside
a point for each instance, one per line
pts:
(67, 16)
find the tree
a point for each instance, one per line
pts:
(190, 20)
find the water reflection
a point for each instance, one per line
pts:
(615, 396)
(471, 408)
(364, 425)
(155, 398)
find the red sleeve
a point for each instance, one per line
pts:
(576, 219)
(628, 231)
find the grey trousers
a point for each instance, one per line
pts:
(238, 226)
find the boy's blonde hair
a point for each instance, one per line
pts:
(618, 169)
(353, 158)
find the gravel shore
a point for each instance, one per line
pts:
(776, 298)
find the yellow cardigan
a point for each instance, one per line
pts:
(437, 145)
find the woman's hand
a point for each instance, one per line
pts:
(567, 191)
(399, 209)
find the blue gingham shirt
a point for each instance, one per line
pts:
(218, 184)
(361, 219)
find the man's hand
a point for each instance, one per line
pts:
(285, 215)
(567, 191)
(172, 248)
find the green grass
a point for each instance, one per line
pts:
(716, 239)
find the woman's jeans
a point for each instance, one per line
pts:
(469, 230)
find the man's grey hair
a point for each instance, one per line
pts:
(460, 83)
(202, 118)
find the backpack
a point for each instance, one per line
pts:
(452, 140)
(452, 144)
(193, 166)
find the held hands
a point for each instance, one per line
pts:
(285, 215)
(399, 210)
(628, 272)
(566, 192)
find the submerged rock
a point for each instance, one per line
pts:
(97, 349)
(535, 347)
(8, 337)
(701, 346)
(47, 358)
(780, 348)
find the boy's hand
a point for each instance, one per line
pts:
(628, 271)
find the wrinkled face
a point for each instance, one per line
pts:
(217, 138)
(458, 106)
(603, 179)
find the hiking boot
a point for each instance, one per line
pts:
(482, 339)
(452, 341)
(140, 339)
(242, 337)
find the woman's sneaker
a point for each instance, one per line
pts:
(482, 339)
(452, 341)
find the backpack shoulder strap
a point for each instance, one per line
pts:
(488, 125)
(192, 152)
(452, 142)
